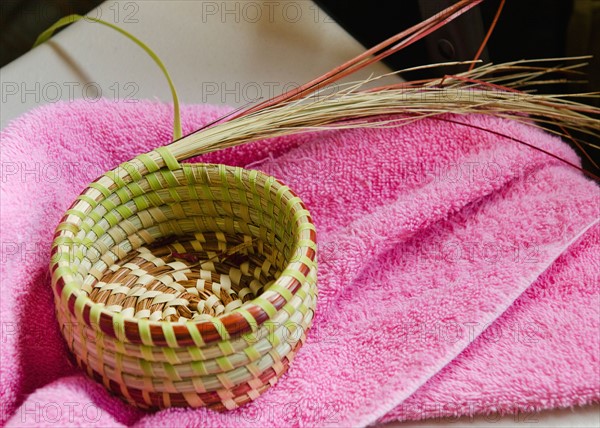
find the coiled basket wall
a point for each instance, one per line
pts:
(185, 284)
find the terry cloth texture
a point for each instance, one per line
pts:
(458, 270)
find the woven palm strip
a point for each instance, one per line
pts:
(185, 284)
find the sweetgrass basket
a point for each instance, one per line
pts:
(182, 284)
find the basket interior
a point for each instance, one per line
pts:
(190, 244)
(188, 277)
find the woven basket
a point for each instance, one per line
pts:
(185, 284)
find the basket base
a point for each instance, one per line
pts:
(221, 400)
(191, 277)
(182, 279)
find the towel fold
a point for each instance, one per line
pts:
(458, 270)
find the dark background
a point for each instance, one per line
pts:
(526, 29)
(21, 21)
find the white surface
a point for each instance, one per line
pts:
(217, 52)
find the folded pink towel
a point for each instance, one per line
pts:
(458, 270)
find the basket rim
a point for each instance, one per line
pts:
(66, 282)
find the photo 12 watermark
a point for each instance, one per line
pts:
(50, 172)
(55, 413)
(117, 12)
(53, 92)
(237, 92)
(292, 412)
(253, 12)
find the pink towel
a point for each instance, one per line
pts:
(458, 270)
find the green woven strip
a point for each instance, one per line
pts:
(199, 368)
(284, 292)
(279, 196)
(171, 372)
(224, 364)
(307, 243)
(265, 305)
(131, 170)
(226, 348)
(95, 217)
(95, 311)
(135, 189)
(269, 182)
(188, 173)
(60, 272)
(123, 194)
(87, 242)
(112, 219)
(77, 254)
(175, 195)
(294, 274)
(272, 336)
(170, 178)
(124, 211)
(68, 290)
(195, 334)
(108, 204)
(98, 230)
(196, 353)
(291, 327)
(144, 328)
(115, 177)
(141, 203)
(168, 157)
(120, 347)
(209, 197)
(252, 353)
(68, 227)
(79, 304)
(239, 176)
(224, 184)
(147, 352)
(171, 355)
(105, 192)
(306, 226)
(63, 240)
(302, 308)
(92, 203)
(146, 368)
(154, 182)
(220, 328)
(252, 179)
(119, 326)
(193, 193)
(148, 162)
(249, 318)
(169, 334)
(300, 214)
(270, 211)
(76, 213)
(302, 258)
(289, 307)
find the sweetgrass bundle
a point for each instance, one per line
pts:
(180, 284)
